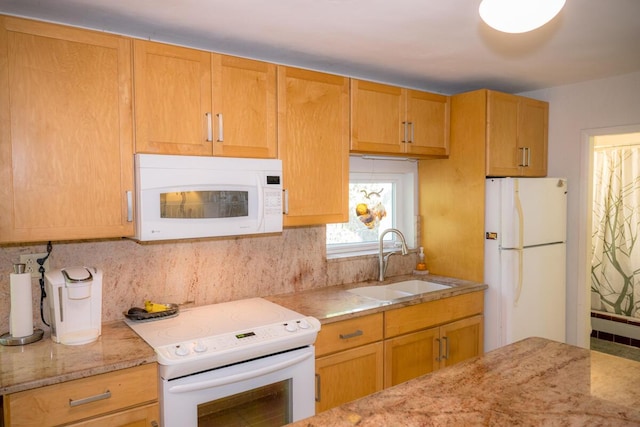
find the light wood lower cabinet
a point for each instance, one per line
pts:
(145, 416)
(349, 360)
(348, 375)
(127, 397)
(418, 353)
(360, 356)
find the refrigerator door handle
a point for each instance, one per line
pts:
(518, 206)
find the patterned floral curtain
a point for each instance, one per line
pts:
(615, 261)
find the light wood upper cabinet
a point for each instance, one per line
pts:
(66, 145)
(244, 105)
(517, 129)
(192, 102)
(172, 99)
(488, 133)
(428, 123)
(313, 144)
(397, 121)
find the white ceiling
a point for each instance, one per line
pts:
(437, 45)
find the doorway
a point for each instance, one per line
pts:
(608, 295)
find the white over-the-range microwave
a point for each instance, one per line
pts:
(187, 197)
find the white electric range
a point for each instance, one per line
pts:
(210, 352)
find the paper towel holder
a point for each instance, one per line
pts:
(7, 339)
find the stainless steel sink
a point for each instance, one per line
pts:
(398, 290)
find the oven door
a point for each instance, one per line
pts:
(269, 391)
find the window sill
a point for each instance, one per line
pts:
(370, 253)
(345, 256)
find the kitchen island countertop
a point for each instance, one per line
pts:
(532, 382)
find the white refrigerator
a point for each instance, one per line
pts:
(525, 259)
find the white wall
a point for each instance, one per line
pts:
(576, 110)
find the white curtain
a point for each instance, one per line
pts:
(615, 262)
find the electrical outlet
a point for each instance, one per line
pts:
(31, 263)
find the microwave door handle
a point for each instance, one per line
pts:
(260, 201)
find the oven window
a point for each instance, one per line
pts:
(265, 406)
(204, 204)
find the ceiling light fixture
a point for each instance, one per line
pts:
(519, 16)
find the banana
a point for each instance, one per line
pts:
(153, 307)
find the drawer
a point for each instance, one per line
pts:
(432, 313)
(349, 334)
(72, 400)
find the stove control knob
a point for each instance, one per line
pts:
(303, 324)
(199, 347)
(182, 350)
(291, 327)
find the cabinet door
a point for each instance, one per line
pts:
(503, 156)
(462, 340)
(244, 106)
(410, 356)
(173, 99)
(66, 148)
(145, 416)
(428, 123)
(313, 144)
(378, 113)
(533, 130)
(348, 375)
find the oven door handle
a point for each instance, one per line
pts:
(185, 388)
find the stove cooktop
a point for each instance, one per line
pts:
(207, 337)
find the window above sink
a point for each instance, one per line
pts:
(382, 195)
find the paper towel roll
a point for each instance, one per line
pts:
(21, 317)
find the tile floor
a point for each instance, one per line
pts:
(615, 349)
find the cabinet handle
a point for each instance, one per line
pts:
(285, 202)
(405, 132)
(129, 206)
(318, 388)
(446, 343)
(412, 133)
(528, 156)
(101, 396)
(220, 127)
(209, 127)
(351, 335)
(523, 161)
(439, 349)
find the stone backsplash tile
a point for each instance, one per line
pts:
(199, 272)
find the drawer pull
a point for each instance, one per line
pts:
(318, 388)
(351, 335)
(101, 396)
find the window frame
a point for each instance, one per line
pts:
(403, 173)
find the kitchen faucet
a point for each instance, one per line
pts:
(383, 260)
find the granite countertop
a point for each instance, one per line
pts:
(531, 382)
(334, 303)
(44, 362)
